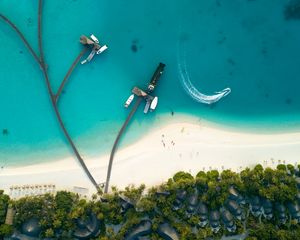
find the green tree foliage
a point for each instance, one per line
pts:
(269, 231)
(281, 167)
(5, 230)
(291, 169)
(49, 233)
(204, 233)
(214, 197)
(258, 168)
(275, 185)
(183, 180)
(263, 231)
(54, 212)
(40, 207)
(182, 176)
(230, 178)
(108, 211)
(278, 186)
(185, 230)
(147, 205)
(132, 220)
(252, 180)
(201, 174)
(213, 175)
(214, 187)
(4, 199)
(64, 200)
(133, 193)
(58, 212)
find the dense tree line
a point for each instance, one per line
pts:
(121, 210)
(5, 230)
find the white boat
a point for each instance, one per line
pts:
(129, 100)
(153, 104)
(147, 106)
(102, 49)
(94, 38)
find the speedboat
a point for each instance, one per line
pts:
(102, 49)
(153, 104)
(94, 38)
(129, 100)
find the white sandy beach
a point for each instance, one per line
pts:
(157, 156)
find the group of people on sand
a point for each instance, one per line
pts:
(163, 142)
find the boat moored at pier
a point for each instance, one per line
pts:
(147, 106)
(129, 100)
(153, 104)
(94, 42)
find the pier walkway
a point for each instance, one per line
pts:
(53, 97)
(112, 154)
(141, 96)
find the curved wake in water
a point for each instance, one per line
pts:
(191, 90)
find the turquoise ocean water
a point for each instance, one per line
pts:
(246, 45)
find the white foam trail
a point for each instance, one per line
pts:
(190, 89)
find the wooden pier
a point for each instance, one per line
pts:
(141, 95)
(139, 92)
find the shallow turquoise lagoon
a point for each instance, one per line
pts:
(246, 45)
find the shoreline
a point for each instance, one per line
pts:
(190, 145)
(91, 143)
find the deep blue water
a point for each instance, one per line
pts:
(246, 45)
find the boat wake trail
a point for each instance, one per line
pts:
(188, 86)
